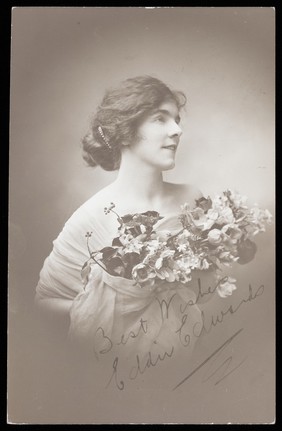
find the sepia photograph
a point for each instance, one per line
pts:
(141, 284)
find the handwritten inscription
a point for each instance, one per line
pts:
(139, 368)
(143, 328)
(184, 338)
(141, 363)
(151, 361)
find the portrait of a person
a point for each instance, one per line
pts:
(137, 131)
(141, 219)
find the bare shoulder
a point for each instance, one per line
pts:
(95, 205)
(90, 216)
(184, 192)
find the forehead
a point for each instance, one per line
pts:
(169, 106)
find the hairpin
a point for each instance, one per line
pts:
(100, 130)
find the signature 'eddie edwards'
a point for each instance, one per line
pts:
(141, 364)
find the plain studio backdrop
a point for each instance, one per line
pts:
(62, 61)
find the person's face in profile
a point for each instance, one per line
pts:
(158, 137)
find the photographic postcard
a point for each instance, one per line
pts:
(108, 349)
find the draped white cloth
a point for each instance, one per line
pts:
(112, 315)
(60, 276)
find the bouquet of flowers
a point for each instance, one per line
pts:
(215, 233)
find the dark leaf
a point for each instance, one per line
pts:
(131, 259)
(128, 272)
(108, 252)
(114, 263)
(246, 251)
(204, 203)
(127, 218)
(116, 242)
(134, 231)
(153, 214)
(119, 271)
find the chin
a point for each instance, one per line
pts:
(169, 166)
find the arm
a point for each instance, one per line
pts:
(60, 278)
(54, 315)
(53, 306)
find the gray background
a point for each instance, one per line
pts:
(62, 60)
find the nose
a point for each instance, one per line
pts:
(174, 129)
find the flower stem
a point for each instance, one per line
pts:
(91, 257)
(101, 266)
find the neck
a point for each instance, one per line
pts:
(141, 181)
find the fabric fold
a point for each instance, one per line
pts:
(113, 315)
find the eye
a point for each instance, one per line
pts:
(160, 118)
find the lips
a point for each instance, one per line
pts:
(171, 147)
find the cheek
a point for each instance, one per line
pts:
(149, 127)
(150, 135)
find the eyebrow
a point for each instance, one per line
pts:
(165, 112)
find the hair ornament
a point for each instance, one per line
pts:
(100, 130)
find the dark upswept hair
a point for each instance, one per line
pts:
(120, 113)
